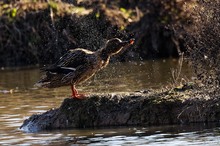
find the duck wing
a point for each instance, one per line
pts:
(68, 63)
(68, 69)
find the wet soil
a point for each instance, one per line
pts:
(143, 108)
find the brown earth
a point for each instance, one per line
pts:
(40, 32)
(178, 106)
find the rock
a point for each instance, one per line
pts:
(124, 110)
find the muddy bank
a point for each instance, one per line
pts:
(178, 106)
(40, 32)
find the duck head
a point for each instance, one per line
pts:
(115, 45)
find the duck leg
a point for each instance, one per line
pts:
(75, 93)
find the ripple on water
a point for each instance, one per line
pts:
(37, 111)
(16, 107)
(43, 107)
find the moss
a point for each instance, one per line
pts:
(53, 5)
(126, 12)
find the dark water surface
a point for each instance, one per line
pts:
(19, 99)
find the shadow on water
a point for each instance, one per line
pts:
(19, 100)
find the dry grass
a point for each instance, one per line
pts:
(176, 72)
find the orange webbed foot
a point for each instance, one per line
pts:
(75, 94)
(79, 96)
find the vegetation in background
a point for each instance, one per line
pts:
(40, 31)
(36, 32)
(202, 41)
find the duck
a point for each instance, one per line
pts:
(79, 64)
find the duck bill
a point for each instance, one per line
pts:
(128, 43)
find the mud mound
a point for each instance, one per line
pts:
(138, 108)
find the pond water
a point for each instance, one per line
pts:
(19, 99)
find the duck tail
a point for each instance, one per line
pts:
(44, 82)
(41, 84)
(49, 80)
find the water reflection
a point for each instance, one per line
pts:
(19, 100)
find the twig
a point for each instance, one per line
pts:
(176, 72)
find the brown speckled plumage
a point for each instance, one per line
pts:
(79, 64)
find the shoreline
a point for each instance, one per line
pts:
(132, 109)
